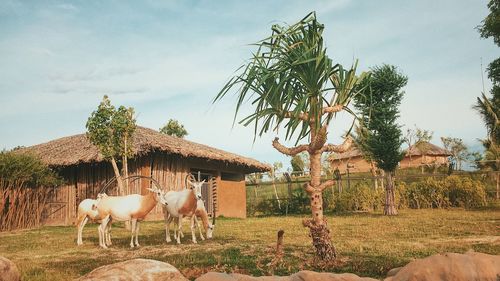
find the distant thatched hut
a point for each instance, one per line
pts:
(167, 159)
(425, 154)
(416, 156)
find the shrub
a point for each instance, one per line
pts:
(465, 192)
(25, 183)
(451, 191)
(360, 197)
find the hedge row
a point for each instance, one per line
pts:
(452, 191)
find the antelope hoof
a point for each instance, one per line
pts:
(195, 242)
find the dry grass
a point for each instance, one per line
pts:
(369, 244)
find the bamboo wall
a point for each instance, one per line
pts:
(86, 181)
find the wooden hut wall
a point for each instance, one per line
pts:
(86, 181)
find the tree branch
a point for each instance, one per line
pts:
(338, 148)
(301, 116)
(333, 109)
(326, 184)
(287, 150)
(309, 188)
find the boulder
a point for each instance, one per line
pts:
(135, 270)
(8, 270)
(470, 266)
(304, 275)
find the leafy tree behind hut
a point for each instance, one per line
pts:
(174, 128)
(111, 130)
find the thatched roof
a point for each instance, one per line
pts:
(77, 149)
(414, 150)
(429, 148)
(351, 153)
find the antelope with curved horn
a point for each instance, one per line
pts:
(181, 204)
(133, 207)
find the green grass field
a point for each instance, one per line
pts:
(368, 244)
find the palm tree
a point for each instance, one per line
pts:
(489, 109)
(294, 84)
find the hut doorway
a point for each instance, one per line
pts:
(207, 189)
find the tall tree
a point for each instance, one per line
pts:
(294, 84)
(489, 107)
(382, 137)
(174, 128)
(123, 124)
(111, 131)
(457, 148)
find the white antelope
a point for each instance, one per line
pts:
(181, 204)
(202, 213)
(133, 207)
(87, 210)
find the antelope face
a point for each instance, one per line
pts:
(196, 187)
(159, 194)
(210, 231)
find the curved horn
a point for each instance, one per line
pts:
(187, 179)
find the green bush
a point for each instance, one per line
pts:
(465, 192)
(360, 197)
(452, 191)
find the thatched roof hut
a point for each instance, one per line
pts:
(415, 150)
(168, 160)
(77, 149)
(417, 155)
(429, 149)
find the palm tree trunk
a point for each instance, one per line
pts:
(320, 233)
(390, 205)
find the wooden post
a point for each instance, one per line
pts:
(278, 256)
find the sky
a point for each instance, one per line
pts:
(169, 59)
